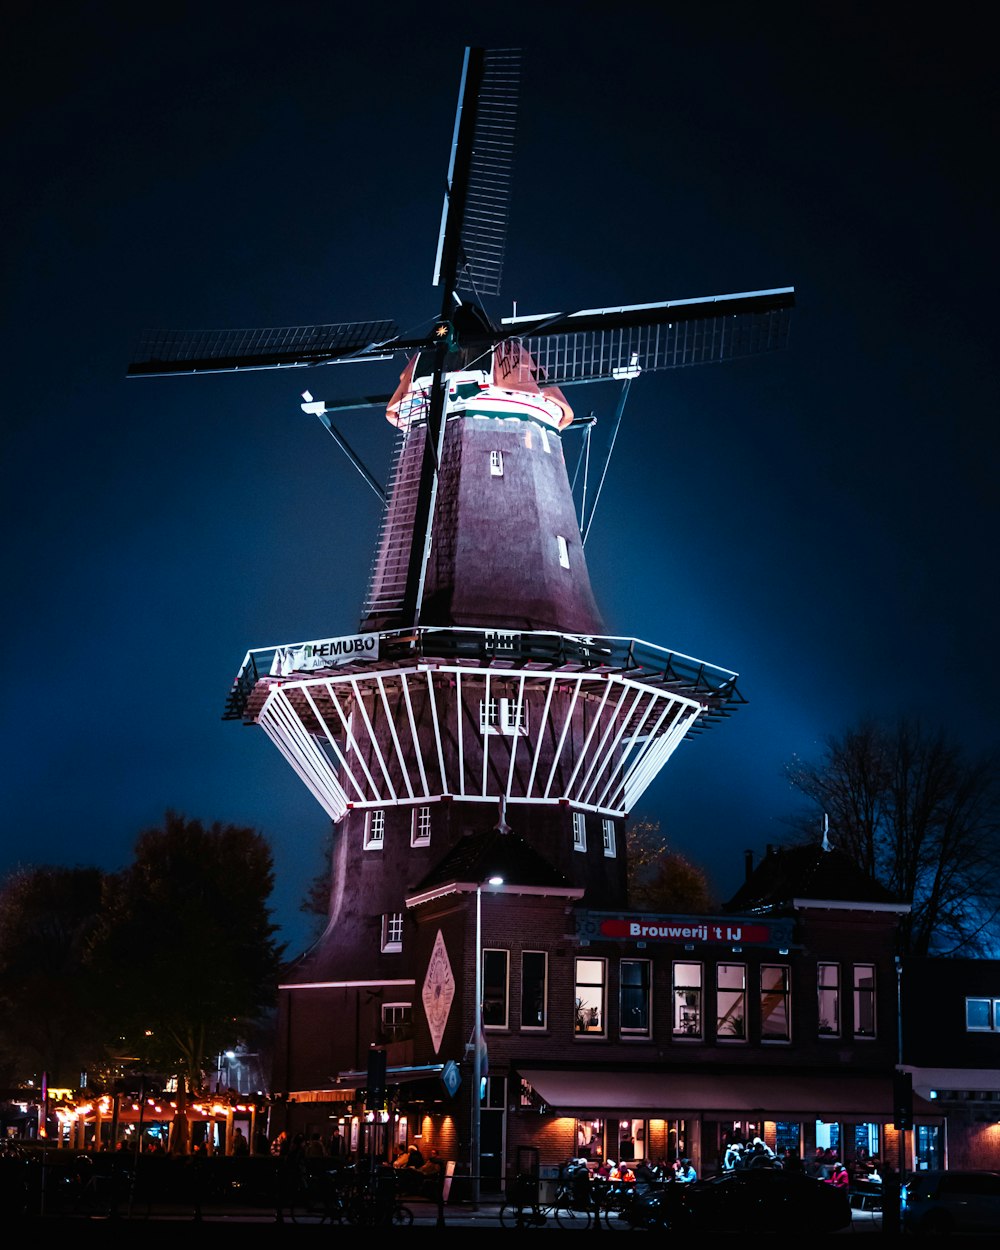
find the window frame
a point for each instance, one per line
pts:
(393, 1029)
(580, 1027)
(645, 988)
(835, 992)
(785, 992)
(579, 831)
(992, 1013)
(489, 956)
(562, 550)
(496, 464)
(679, 1027)
(392, 932)
(739, 999)
(420, 827)
(860, 994)
(525, 1008)
(374, 829)
(609, 838)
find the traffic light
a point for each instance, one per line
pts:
(375, 1094)
(902, 1099)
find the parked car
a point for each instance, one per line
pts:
(763, 1200)
(952, 1202)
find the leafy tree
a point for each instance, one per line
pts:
(186, 945)
(922, 819)
(50, 1005)
(660, 879)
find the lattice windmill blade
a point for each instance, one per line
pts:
(162, 352)
(598, 344)
(473, 231)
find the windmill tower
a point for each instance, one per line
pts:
(481, 690)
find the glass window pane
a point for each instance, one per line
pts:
(495, 989)
(533, 968)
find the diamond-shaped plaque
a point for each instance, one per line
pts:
(438, 991)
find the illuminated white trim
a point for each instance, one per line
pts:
(323, 727)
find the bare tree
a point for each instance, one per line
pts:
(922, 819)
(660, 879)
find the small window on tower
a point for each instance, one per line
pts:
(420, 834)
(545, 441)
(392, 931)
(608, 830)
(579, 831)
(563, 551)
(496, 464)
(375, 830)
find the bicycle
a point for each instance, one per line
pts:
(525, 1209)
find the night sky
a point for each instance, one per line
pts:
(822, 520)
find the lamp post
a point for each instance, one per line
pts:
(477, 1056)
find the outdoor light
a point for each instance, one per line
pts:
(477, 1053)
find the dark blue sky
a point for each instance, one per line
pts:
(823, 521)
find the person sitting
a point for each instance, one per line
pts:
(686, 1173)
(733, 1157)
(839, 1178)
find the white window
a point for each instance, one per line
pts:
(505, 716)
(982, 1015)
(375, 830)
(420, 831)
(563, 551)
(864, 1000)
(608, 827)
(496, 464)
(397, 1021)
(392, 931)
(579, 831)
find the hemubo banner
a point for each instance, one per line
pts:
(304, 657)
(596, 926)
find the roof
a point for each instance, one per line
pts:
(817, 874)
(492, 853)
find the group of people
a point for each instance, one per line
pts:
(755, 1153)
(640, 1172)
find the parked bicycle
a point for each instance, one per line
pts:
(524, 1207)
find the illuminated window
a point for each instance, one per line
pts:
(864, 1000)
(563, 551)
(828, 983)
(608, 828)
(420, 831)
(731, 1002)
(496, 965)
(579, 831)
(635, 997)
(374, 830)
(775, 996)
(534, 989)
(496, 464)
(392, 931)
(589, 1003)
(687, 1000)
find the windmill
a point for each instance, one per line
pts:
(481, 678)
(514, 364)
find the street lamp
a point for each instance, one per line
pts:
(477, 1054)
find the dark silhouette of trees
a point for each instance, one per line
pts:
(50, 1001)
(186, 945)
(660, 879)
(920, 818)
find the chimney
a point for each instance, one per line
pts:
(748, 864)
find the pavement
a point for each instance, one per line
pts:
(219, 1223)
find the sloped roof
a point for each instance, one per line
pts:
(479, 856)
(818, 873)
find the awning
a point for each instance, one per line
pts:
(662, 1094)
